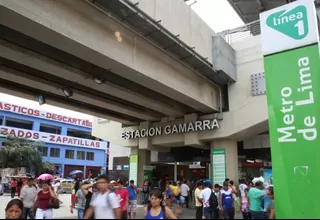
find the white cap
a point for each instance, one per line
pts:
(112, 181)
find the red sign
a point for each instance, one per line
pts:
(42, 114)
(52, 138)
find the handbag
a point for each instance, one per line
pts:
(54, 203)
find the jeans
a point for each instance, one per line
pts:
(228, 213)
(27, 213)
(258, 215)
(13, 192)
(208, 213)
(145, 198)
(199, 211)
(246, 215)
(186, 199)
(80, 213)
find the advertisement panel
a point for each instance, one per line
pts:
(52, 138)
(218, 158)
(133, 168)
(43, 114)
(292, 69)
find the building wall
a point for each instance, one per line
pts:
(117, 151)
(64, 165)
(246, 111)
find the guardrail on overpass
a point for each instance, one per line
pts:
(241, 33)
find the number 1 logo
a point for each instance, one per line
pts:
(293, 23)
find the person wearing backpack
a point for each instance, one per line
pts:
(227, 202)
(208, 199)
(105, 204)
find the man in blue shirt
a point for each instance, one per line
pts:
(227, 202)
(132, 209)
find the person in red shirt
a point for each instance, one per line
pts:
(44, 211)
(13, 186)
(123, 195)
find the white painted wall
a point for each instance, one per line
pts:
(246, 110)
(117, 151)
(177, 17)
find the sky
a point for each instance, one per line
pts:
(218, 14)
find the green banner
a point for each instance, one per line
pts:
(133, 168)
(292, 67)
(293, 95)
(218, 158)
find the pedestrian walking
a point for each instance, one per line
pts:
(44, 210)
(19, 186)
(81, 201)
(146, 191)
(132, 209)
(156, 209)
(28, 196)
(185, 192)
(123, 197)
(198, 202)
(256, 196)
(13, 186)
(227, 201)
(89, 189)
(105, 204)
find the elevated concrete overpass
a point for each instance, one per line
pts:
(113, 69)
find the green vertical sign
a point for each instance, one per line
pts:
(292, 68)
(218, 162)
(133, 168)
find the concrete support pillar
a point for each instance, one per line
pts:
(231, 157)
(144, 159)
(175, 172)
(191, 139)
(144, 143)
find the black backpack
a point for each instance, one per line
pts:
(213, 201)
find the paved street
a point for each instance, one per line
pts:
(64, 211)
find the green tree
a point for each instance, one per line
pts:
(20, 152)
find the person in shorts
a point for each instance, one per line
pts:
(132, 207)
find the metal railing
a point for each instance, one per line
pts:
(241, 33)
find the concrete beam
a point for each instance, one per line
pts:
(16, 76)
(90, 35)
(44, 64)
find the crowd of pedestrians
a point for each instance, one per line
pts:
(101, 199)
(223, 202)
(36, 200)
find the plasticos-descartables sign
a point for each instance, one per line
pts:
(290, 46)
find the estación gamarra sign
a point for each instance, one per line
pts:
(172, 129)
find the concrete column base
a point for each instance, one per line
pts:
(231, 152)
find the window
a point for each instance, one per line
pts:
(90, 156)
(54, 152)
(1, 120)
(80, 134)
(18, 123)
(43, 151)
(81, 155)
(69, 154)
(50, 129)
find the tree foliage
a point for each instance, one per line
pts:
(20, 152)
